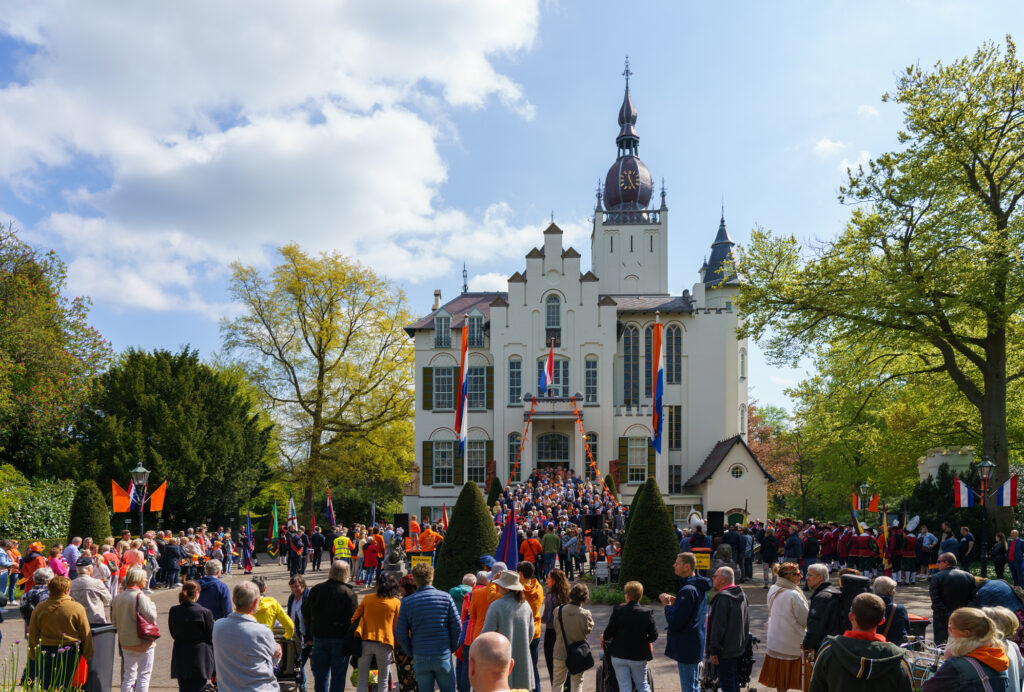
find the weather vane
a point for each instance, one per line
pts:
(626, 72)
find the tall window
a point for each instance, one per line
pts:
(675, 479)
(743, 419)
(743, 364)
(476, 450)
(648, 350)
(637, 471)
(673, 355)
(444, 456)
(444, 388)
(631, 367)
(675, 427)
(442, 331)
(592, 444)
(514, 440)
(515, 381)
(477, 386)
(561, 383)
(590, 381)
(553, 320)
(553, 447)
(476, 331)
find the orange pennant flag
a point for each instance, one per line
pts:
(156, 500)
(122, 501)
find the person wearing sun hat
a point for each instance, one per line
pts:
(511, 615)
(33, 560)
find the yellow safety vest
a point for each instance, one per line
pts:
(341, 548)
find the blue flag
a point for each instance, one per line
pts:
(508, 544)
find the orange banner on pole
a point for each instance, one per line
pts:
(122, 500)
(156, 500)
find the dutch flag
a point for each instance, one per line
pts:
(462, 406)
(963, 496)
(1006, 495)
(547, 378)
(658, 367)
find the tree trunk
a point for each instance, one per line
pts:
(995, 445)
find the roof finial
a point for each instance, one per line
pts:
(552, 216)
(723, 207)
(626, 72)
(465, 279)
(663, 192)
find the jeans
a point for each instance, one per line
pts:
(434, 669)
(1015, 571)
(631, 675)
(549, 563)
(329, 663)
(688, 680)
(461, 673)
(534, 654)
(729, 674)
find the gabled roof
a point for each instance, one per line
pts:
(589, 276)
(517, 278)
(715, 458)
(499, 302)
(552, 228)
(654, 303)
(606, 300)
(534, 253)
(458, 308)
(570, 252)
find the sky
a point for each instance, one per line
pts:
(151, 145)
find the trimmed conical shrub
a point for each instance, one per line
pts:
(470, 534)
(495, 492)
(89, 516)
(632, 506)
(612, 488)
(651, 546)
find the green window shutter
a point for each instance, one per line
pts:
(652, 461)
(623, 460)
(489, 385)
(489, 450)
(428, 462)
(428, 389)
(460, 466)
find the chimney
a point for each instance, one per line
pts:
(437, 299)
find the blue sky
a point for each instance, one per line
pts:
(151, 146)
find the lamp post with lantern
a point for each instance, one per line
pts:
(985, 468)
(865, 493)
(140, 479)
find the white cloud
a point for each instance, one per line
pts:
(866, 111)
(226, 129)
(828, 147)
(782, 381)
(491, 281)
(861, 160)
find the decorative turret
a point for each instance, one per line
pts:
(628, 183)
(720, 268)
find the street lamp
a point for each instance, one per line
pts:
(140, 476)
(985, 468)
(865, 493)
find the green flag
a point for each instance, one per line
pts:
(273, 523)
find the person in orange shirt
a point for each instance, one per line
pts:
(532, 550)
(483, 598)
(379, 540)
(429, 540)
(414, 533)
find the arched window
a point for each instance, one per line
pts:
(515, 381)
(743, 363)
(552, 450)
(743, 419)
(631, 366)
(590, 380)
(514, 440)
(553, 320)
(648, 350)
(673, 355)
(592, 445)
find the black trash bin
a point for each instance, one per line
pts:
(101, 667)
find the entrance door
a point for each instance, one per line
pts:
(552, 451)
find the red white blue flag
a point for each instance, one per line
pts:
(330, 509)
(1006, 495)
(658, 377)
(462, 402)
(963, 496)
(134, 499)
(547, 377)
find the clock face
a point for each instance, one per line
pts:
(628, 180)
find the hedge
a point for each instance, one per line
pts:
(44, 509)
(89, 515)
(651, 546)
(470, 534)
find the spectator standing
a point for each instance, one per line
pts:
(214, 594)
(58, 633)
(534, 593)
(71, 555)
(793, 550)
(1015, 557)
(244, 651)
(966, 549)
(490, 662)
(35, 594)
(428, 629)
(550, 545)
(769, 555)
(377, 615)
(728, 624)
(747, 547)
(91, 593)
(57, 562)
(686, 614)
(628, 638)
(270, 610)
(403, 661)
(950, 588)
(999, 553)
(974, 660)
(861, 660)
(328, 611)
(572, 624)
(297, 598)
(558, 595)
(191, 628)
(897, 621)
(787, 617)
(824, 617)
(1007, 624)
(137, 654)
(511, 615)
(317, 541)
(170, 560)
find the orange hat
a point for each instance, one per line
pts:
(36, 546)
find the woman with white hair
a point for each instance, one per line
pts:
(787, 620)
(137, 654)
(974, 660)
(1006, 624)
(897, 621)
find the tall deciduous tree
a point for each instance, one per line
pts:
(49, 355)
(928, 272)
(322, 336)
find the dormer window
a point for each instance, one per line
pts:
(553, 321)
(442, 331)
(476, 331)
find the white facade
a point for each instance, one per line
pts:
(600, 322)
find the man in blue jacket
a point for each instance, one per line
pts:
(428, 629)
(214, 593)
(686, 613)
(1015, 556)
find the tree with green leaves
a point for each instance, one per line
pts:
(650, 543)
(494, 494)
(322, 336)
(927, 276)
(89, 513)
(186, 423)
(470, 534)
(49, 356)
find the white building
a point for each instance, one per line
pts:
(600, 323)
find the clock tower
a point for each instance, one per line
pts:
(629, 243)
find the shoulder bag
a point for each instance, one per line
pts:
(145, 630)
(578, 657)
(352, 642)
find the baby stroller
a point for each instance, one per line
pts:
(707, 672)
(606, 680)
(288, 671)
